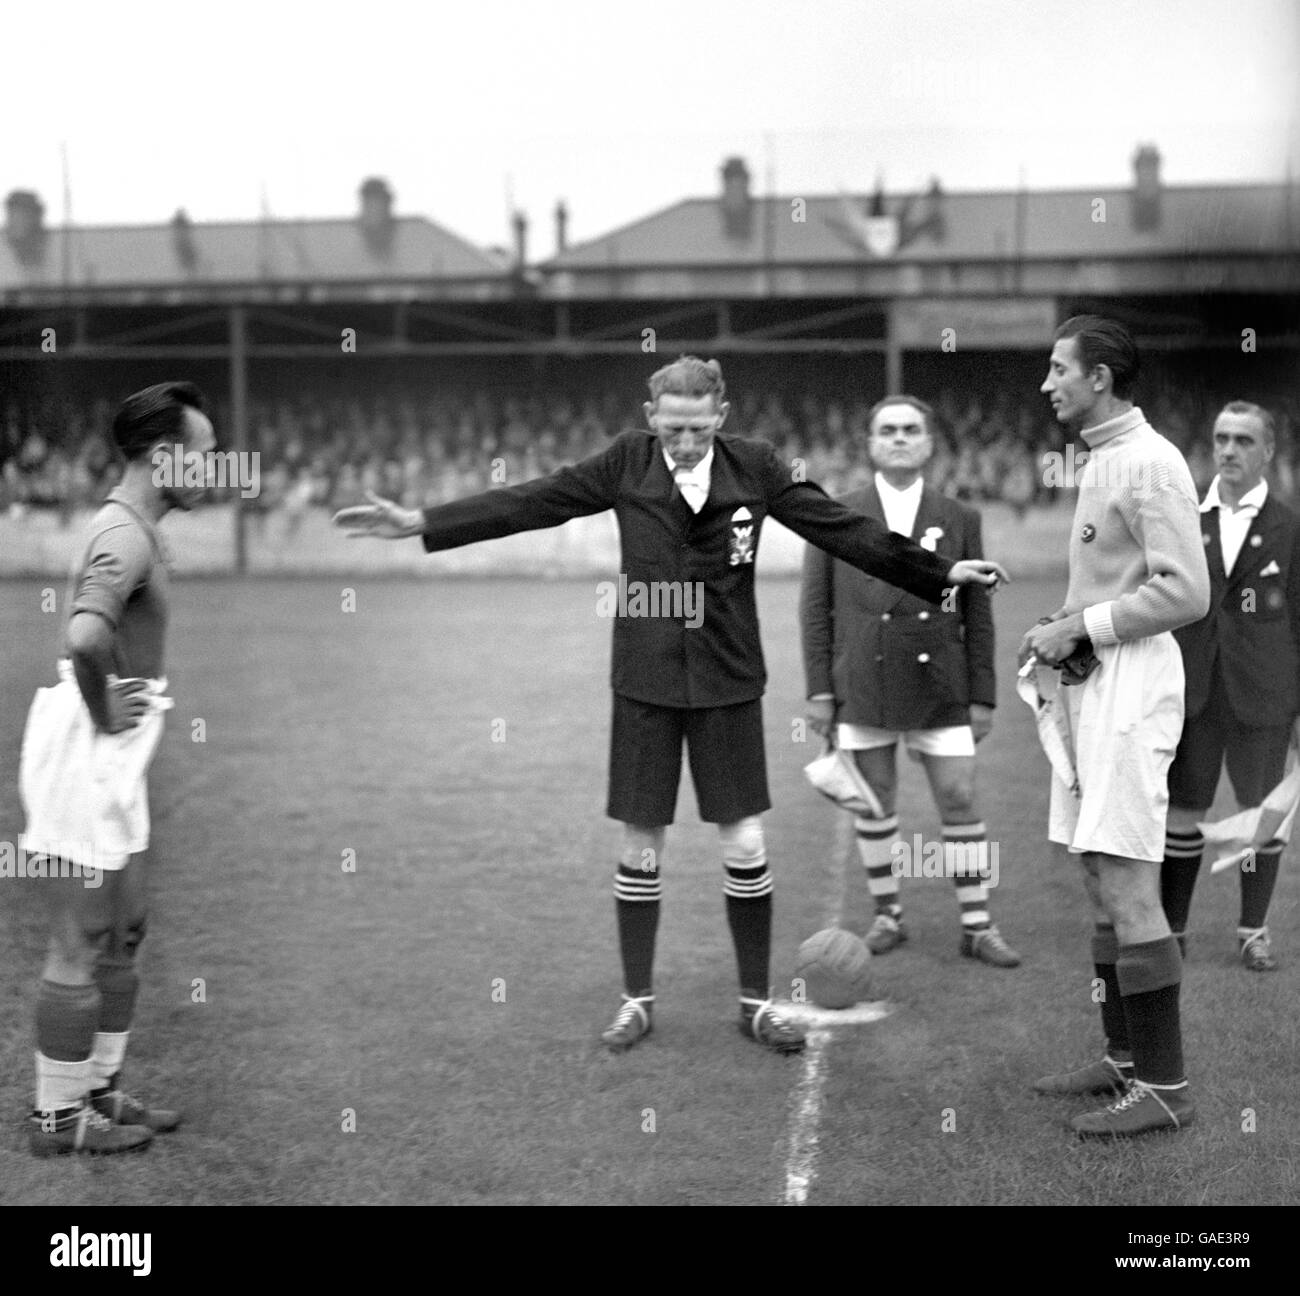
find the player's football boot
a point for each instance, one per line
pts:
(1106, 1076)
(760, 1020)
(989, 947)
(122, 1109)
(1142, 1110)
(1257, 953)
(632, 1024)
(885, 933)
(83, 1129)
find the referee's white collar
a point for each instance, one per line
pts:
(1252, 500)
(700, 473)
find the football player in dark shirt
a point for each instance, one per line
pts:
(99, 727)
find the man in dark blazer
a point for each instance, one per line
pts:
(687, 660)
(886, 665)
(1242, 662)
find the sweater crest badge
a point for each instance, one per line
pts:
(1089, 533)
(740, 538)
(930, 540)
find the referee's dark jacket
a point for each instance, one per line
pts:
(662, 660)
(890, 660)
(1249, 647)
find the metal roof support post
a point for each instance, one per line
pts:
(893, 351)
(239, 419)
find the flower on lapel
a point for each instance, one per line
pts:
(930, 540)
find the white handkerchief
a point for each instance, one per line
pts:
(1271, 570)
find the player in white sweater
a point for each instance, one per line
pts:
(1137, 572)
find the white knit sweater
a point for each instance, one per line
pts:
(1137, 562)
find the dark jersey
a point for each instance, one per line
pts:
(123, 578)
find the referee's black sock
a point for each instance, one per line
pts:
(636, 905)
(1150, 975)
(750, 921)
(1105, 951)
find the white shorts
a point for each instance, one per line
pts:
(1124, 725)
(83, 791)
(954, 740)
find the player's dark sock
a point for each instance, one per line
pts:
(750, 921)
(66, 1017)
(118, 985)
(1178, 873)
(636, 902)
(1257, 885)
(1105, 951)
(1150, 975)
(966, 861)
(876, 838)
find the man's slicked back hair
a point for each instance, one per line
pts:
(1266, 420)
(924, 410)
(155, 414)
(689, 376)
(1104, 341)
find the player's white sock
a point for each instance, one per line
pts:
(60, 1084)
(106, 1060)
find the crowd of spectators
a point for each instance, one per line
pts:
(322, 450)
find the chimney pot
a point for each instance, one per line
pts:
(376, 215)
(25, 225)
(1146, 187)
(737, 205)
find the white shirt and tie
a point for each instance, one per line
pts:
(692, 482)
(1234, 523)
(899, 506)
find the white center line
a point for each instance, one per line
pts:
(801, 1154)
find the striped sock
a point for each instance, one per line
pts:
(876, 838)
(1182, 862)
(636, 902)
(966, 861)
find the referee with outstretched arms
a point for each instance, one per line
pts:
(691, 503)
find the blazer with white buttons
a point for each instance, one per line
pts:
(1248, 643)
(890, 660)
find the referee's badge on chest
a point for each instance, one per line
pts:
(741, 538)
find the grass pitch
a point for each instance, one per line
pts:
(382, 942)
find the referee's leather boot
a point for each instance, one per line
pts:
(122, 1109)
(1142, 1110)
(83, 1129)
(1103, 1077)
(759, 1020)
(633, 1022)
(989, 947)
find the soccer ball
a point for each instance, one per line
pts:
(835, 967)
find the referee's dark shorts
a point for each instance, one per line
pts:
(725, 749)
(1255, 754)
